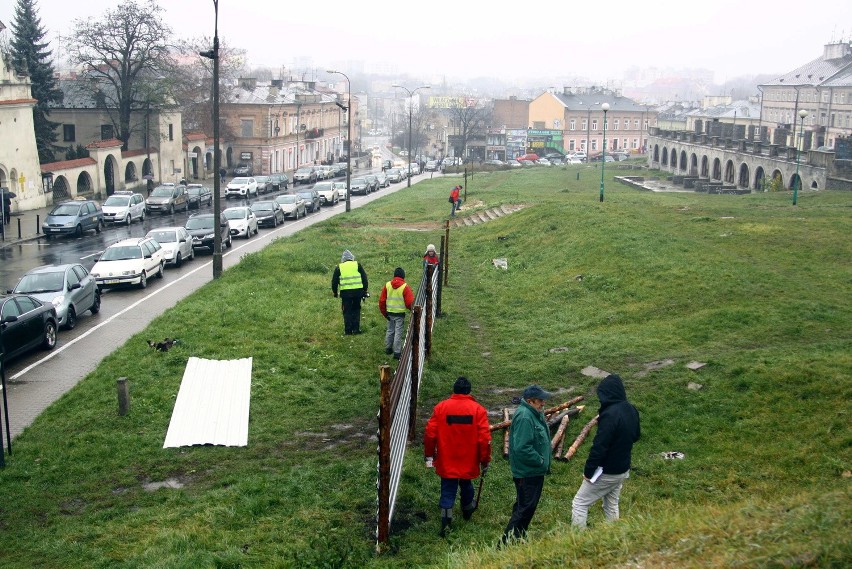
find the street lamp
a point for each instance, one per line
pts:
(410, 109)
(217, 158)
(605, 108)
(798, 181)
(348, 109)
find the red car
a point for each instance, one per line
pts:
(532, 157)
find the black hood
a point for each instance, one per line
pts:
(611, 390)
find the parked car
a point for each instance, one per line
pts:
(69, 288)
(243, 169)
(176, 243)
(75, 217)
(292, 205)
(262, 184)
(312, 200)
(130, 261)
(619, 156)
(573, 160)
(413, 169)
(580, 155)
(242, 221)
(383, 180)
(202, 229)
(198, 195)
(494, 162)
(268, 213)
(278, 182)
(25, 324)
(341, 189)
(359, 185)
(513, 164)
(372, 181)
(326, 172)
(341, 168)
(242, 187)
(124, 207)
(327, 192)
(431, 166)
(394, 175)
(167, 198)
(306, 175)
(543, 162)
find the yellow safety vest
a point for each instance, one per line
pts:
(350, 278)
(395, 301)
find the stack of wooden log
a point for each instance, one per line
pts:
(559, 417)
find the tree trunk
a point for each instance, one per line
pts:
(569, 454)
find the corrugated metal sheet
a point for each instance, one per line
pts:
(212, 405)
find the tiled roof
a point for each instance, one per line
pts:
(137, 152)
(268, 95)
(841, 79)
(582, 102)
(110, 143)
(196, 136)
(813, 73)
(67, 164)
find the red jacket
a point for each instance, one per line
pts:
(454, 194)
(407, 295)
(458, 437)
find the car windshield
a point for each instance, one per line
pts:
(306, 196)
(359, 181)
(122, 253)
(66, 209)
(286, 199)
(304, 170)
(263, 206)
(117, 201)
(193, 191)
(240, 181)
(41, 282)
(323, 186)
(235, 213)
(259, 179)
(199, 223)
(162, 192)
(163, 236)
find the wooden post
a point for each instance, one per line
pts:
(430, 309)
(414, 373)
(383, 485)
(580, 438)
(560, 432)
(439, 311)
(445, 258)
(506, 433)
(123, 396)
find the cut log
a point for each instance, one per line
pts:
(572, 412)
(559, 447)
(506, 434)
(580, 438)
(551, 411)
(560, 432)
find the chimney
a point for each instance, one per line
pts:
(278, 83)
(836, 50)
(248, 83)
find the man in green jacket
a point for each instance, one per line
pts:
(529, 457)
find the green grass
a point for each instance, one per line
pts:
(756, 288)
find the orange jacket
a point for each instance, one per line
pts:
(458, 437)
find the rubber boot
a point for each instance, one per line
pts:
(446, 521)
(467, 511)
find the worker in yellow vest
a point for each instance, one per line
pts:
(350, 281)
(396, 299)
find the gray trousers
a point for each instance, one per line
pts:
(606, 488)
(395, 333)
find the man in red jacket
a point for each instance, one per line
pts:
(458, 443)
(396, 299)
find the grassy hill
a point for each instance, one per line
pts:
(757, 289)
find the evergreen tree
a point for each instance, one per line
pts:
(30, 56)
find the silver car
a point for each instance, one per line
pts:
(69, 288)
(176, 243)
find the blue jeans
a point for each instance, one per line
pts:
(456, 205)
(449, 487)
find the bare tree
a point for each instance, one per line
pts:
(467, 122)
(127, 61)
(194, 85)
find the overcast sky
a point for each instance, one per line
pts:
(505, 39)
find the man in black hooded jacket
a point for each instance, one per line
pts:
(608, 464)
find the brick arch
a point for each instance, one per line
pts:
(683, 160)
(795, 181)
(759, 178)
(729, 172)
(84, 184)
(656, 153)
(744, 177)
(693, 165)
(130, 174)
(705, 167)
(673, 158)
(717, 169)
(60, 189)
(665, 161)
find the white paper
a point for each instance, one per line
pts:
(596, 475)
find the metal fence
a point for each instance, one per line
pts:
(399, 391)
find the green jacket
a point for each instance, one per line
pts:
(529, 442)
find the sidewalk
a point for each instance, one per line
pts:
(24, 226)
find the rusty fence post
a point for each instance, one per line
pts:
(445, 257)
(430, 308)
(439, 311)
(383, 484)
(414, 373)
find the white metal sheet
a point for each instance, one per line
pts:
(212, 405)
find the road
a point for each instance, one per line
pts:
(38, 379)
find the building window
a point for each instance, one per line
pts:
(635, 144)
(585, 124)
(571, 145)
(646, 124)
(69, 133)
(583, 145)
(247, 128)
(636, 124)
(624, 143)
(595, 144)
(106, 132)
(171, 131)
(594, 124)
(572, 125)
(615, 124)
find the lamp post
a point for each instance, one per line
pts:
(605, 108)
(410, 109)
(348, 109)
(217, 157)
(798, 181)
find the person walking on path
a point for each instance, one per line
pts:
(350, 281)
(394, 301)
(529, 457)
(222, 174)
(7, 208)
(457, 442)
(455, 200)
(431, 257)
(608, 464)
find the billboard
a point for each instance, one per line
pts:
(452, 102)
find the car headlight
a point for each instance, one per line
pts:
(69, 224)
(58, 301)
(208, 236)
